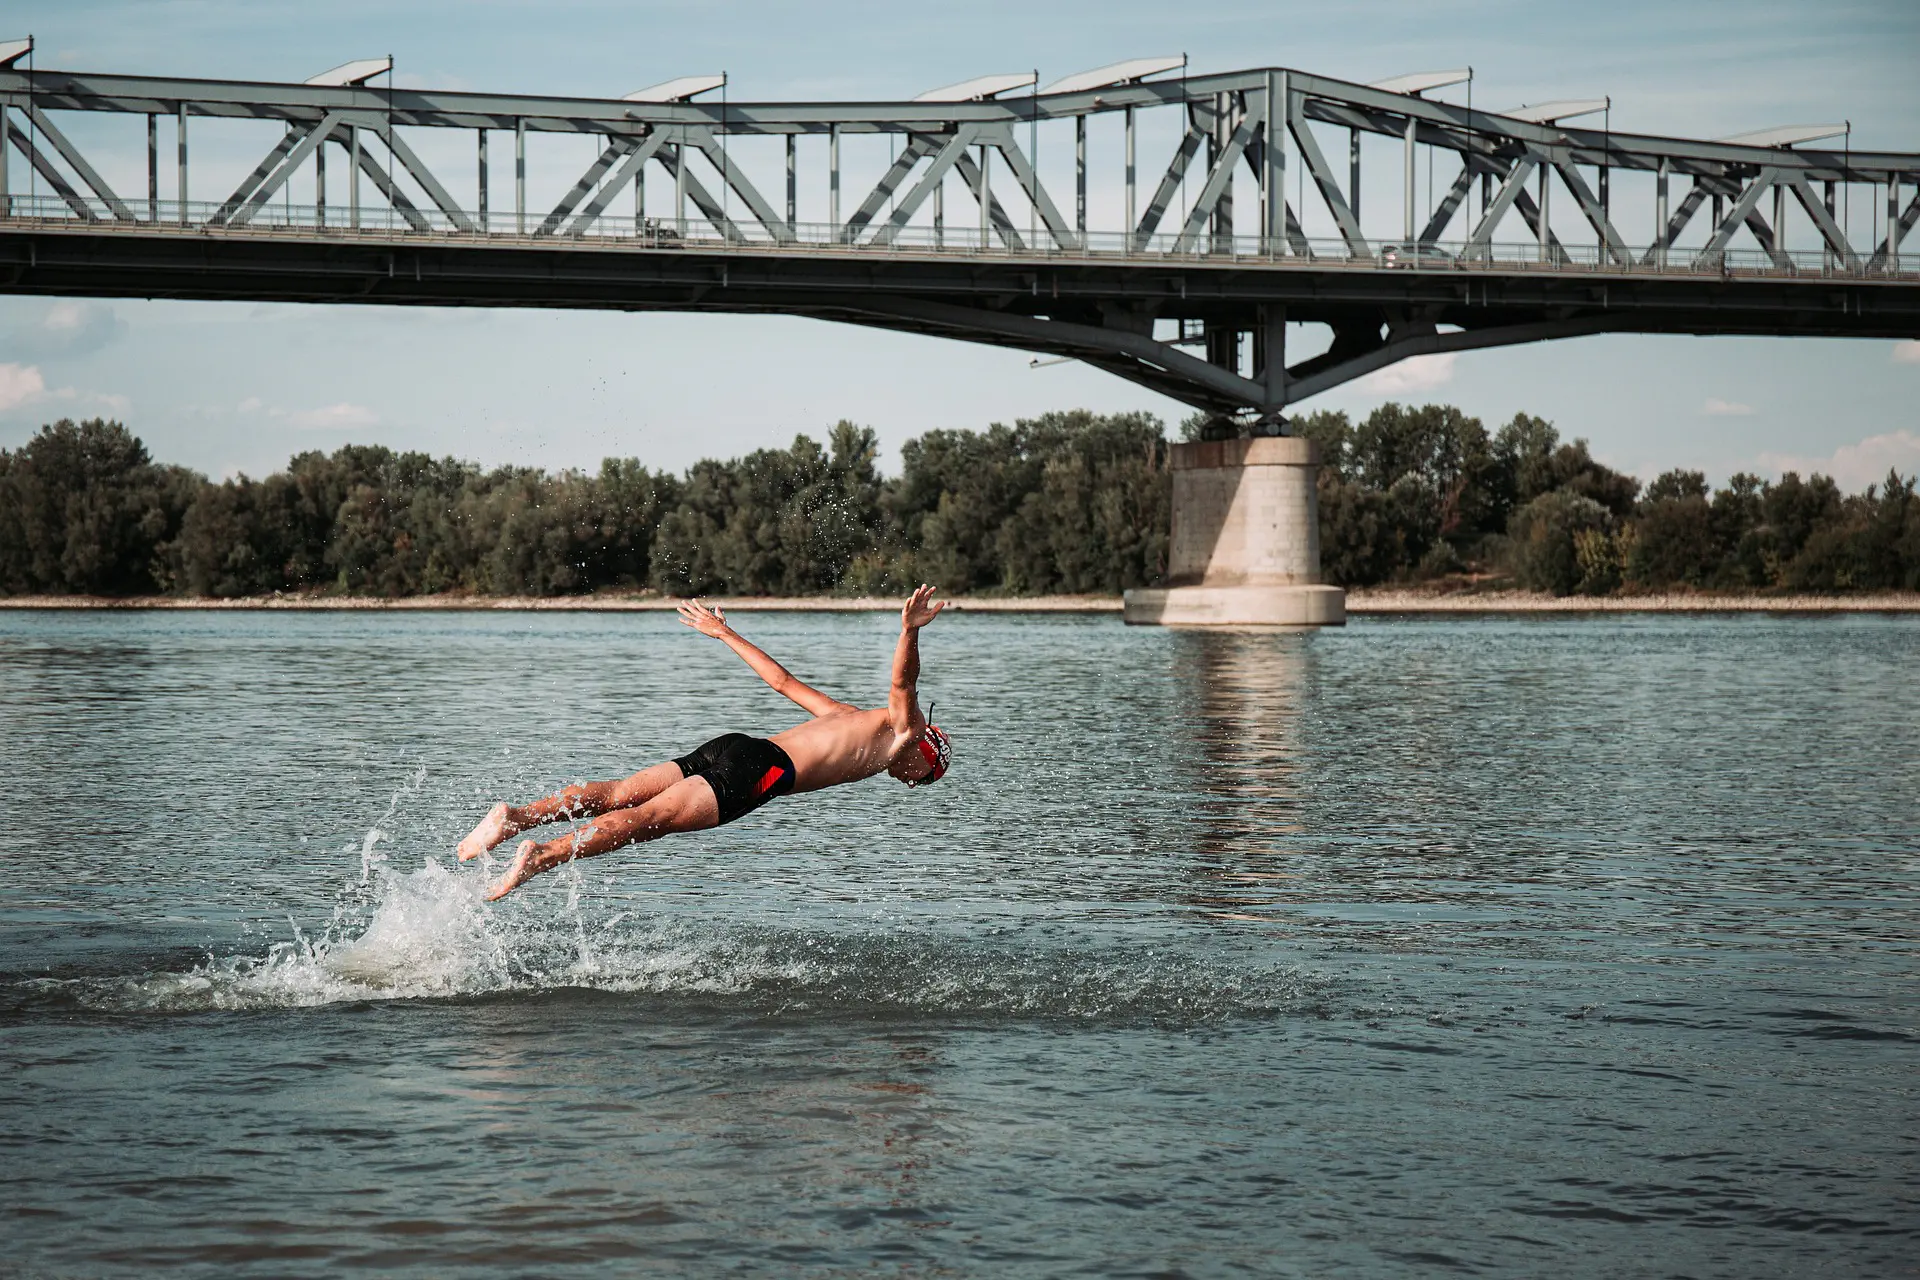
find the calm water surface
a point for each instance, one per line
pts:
(1511, 947)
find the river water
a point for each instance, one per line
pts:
(1498, 946)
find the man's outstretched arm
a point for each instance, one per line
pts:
(712, 622)
(903, 704)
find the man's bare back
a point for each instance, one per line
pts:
(733, 774)
(840, 746)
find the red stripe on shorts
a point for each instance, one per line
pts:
(767, 783)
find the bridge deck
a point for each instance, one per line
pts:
(315, 225)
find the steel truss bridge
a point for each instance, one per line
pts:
(954, 233)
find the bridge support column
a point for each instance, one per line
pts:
(1245, 549)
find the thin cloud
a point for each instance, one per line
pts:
(1418, 373)
(1855, 466)
(72, 328)
(107, 400)
(1718, 408)
(65, 330)
(20, 384)
(64, 317)
(24, 384)
(334, 417)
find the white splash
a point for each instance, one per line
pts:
(428, 936)
(429, 933)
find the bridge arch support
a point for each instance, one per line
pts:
(1245, 545)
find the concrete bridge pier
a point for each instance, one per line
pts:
(1245, 549)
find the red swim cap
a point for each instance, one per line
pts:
(937, 751)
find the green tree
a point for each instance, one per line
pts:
(86, 509)
(1407, 492)
(1072, 501)
(786, 521)
(1097, 520)
(1676, 539)
(956, 489)
(1543, 537)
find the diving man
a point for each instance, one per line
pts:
(734, 774)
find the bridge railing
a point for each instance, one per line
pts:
(614, 231)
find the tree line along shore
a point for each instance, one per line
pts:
(1066, 504)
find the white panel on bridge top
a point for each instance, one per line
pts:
(11, 51)
(1421, 81)
(677, 90)
(1554, 112)
(359, 71)
(1118, 73)
(1787, 135)
(980, 88)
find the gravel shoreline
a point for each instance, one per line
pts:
(1389, 601)
(1378, 601)
(563, 604)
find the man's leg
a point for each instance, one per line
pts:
(688, 805)
(584, 801)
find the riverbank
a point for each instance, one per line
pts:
(606, 602)
(1391, 600)
(1371, 601)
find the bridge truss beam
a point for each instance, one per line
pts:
(1184, 272)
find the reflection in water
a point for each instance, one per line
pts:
(856, 1128)
(1245, 689)
(1501, 946)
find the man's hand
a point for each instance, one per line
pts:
(920, 609)
(708, 622)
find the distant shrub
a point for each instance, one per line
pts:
(1545, 536)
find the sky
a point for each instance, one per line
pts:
(233, 387)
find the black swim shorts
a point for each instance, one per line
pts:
(744, 772)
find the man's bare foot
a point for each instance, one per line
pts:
(525, 867)
(492, 830)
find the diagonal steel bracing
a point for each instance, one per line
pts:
(982, 193)
(418, 171)
(942, 164)
(1292, 236)
(1196, 133)
(72, 156)
(675, 161)
(251, 183)
(1219, 181)
(1663, 243)
(310, 141)
(1329, 186)
(616, 147)
(1513, 189)
(54, 178)
(1610, 239)
(637, 156)
(1456, 195)
(1072, 288)
(1745, 212)
(1529, 211)
(1029, 183)
(774, 225)
(1830, 233)
(918, 148)
(385, 185)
